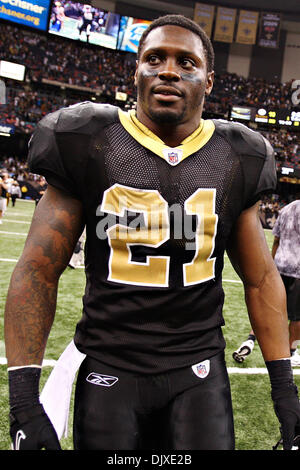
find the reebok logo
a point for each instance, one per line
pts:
(101, 379)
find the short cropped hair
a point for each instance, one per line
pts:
(183, 22)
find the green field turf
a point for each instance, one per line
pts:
(256, 425)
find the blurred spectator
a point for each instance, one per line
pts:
(3, 193)
(40, 189)
(15, 191)
(268, 211)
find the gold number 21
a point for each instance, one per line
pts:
(154, 232)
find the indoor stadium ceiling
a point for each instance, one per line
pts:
(289, 8)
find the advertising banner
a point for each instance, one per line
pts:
(12, 70)
(269, 30)
(6, 129)
(130, 33)
(33, 13)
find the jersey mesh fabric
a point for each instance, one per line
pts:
(152, 329)
(139, 327)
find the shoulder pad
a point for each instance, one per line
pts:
(256, 157)
(245, 141)
(48, 157)
(82, 118)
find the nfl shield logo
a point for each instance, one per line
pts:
(172, 155)
(173, 158)
(201, 369)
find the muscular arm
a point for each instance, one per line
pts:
(275, 246)
(264, 290)
(31, 302)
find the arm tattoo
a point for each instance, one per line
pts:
(31, 300)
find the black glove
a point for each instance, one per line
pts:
(296, 441)
(31, 429)
(287, 409)
(285, 398)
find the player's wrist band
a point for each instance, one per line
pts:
(23, 367)
(281, 378)
(23, 387)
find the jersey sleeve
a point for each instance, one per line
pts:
(44, 156)
(267, 180)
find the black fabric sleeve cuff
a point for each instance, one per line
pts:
(24, 387)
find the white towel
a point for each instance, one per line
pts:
(56, 394)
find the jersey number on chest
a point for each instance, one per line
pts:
(154, 232)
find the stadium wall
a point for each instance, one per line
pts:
(239, 59)
(221, 56)
(104, 5)
(267, 62)
(151, 9)
(291, 61)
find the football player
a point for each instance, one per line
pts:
(58, 17)
(245, 348)
(86, 20)
(162, 193)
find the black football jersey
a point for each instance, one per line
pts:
(158, 221)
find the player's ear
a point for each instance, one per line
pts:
(209, 82)
(135, 73)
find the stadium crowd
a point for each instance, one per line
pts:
(25, 107)
(65, 61)
(107, 71)
(286, 146)
(82, 69)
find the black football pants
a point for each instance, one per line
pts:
(177, 410)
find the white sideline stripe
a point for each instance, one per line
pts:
(254, 370)
(12, 213)
(7, 260)
(231, 370)
(15, 221)
(14, 233)
(82, 267)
